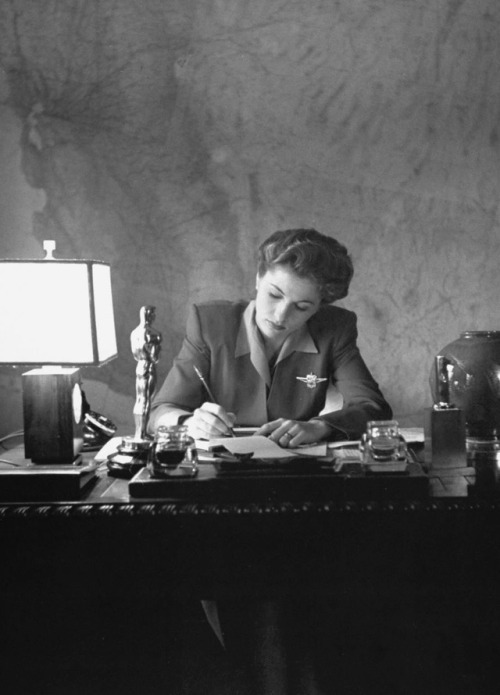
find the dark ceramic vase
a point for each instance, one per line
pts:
(474, 383)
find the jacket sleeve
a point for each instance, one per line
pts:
(182, 391)
(362, 399)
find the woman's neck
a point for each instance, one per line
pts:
(272, 349)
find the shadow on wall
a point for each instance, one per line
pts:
(115, 406)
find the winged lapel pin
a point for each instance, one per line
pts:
(311, 380)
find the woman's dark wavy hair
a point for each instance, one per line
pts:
(310, 254)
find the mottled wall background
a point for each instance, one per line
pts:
(169, 137)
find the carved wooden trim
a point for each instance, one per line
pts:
(169, 509)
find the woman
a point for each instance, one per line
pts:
(286, 362)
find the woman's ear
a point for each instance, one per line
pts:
(257, 280)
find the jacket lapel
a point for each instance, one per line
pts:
(270, 397)
(248, 342)
(299, 341)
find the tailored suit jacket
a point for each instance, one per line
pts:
(222, 340)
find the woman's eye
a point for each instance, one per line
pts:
(302, 308)
(274, 296)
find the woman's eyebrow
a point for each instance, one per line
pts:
(298, 301)
(278, 289)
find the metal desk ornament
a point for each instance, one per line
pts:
(145, 343)
(444, 424)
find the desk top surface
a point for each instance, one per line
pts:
(106, 495)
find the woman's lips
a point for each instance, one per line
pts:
(276, 326)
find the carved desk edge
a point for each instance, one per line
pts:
(167, 508)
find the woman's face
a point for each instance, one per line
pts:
(284, 302)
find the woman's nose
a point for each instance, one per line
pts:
(281, 313)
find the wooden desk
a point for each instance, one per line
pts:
(209, 549)
(105, 569)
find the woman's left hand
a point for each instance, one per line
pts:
(292, 433)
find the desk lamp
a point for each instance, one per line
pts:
(58, 315)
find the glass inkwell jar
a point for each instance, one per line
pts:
(382, 443)
(173, 453)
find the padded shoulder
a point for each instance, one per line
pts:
(220, 320)
(329, 316)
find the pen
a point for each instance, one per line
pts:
(209, 392)
(203, 381)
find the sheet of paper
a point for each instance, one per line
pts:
(244, 431)
(344, 443)
(260, 447)
(111, 447)
(412, 434)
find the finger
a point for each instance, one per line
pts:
(289, 434)
(211, 427)
(220, 413)
(285, 440)
(269, 427)
(198, 427)
(296, 439)
(282, 439)
(282, 427)
(210, 423)
(196, 431)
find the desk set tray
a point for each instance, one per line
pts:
(300, 479)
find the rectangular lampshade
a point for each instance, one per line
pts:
(56, 312)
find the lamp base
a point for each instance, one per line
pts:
(52, 411)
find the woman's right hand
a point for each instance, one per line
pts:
(210, 421)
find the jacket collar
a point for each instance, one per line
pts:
(249, 342)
